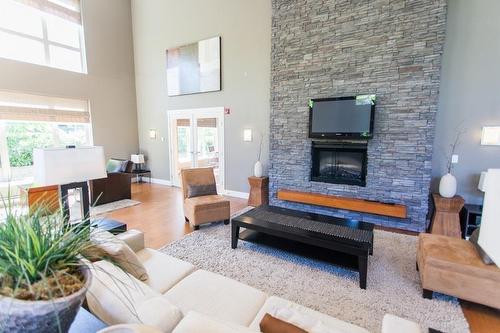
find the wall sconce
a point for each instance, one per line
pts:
(247, 135)
(152, 134)
(490, 136)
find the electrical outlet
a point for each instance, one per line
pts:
(454, 159)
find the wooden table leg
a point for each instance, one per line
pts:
(363, 271)
(235, 232)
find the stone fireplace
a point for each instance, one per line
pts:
(335, 48)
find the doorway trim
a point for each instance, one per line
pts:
(192, 114)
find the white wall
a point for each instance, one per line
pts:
(469, 95)
(245, 28)
(109, 84)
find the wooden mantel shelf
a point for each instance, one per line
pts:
(356, 205)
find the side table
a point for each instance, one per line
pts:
(259, 191)
(446, 218)
(470, 218)
(139, 174)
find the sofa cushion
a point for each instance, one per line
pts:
(130, 328)
(163, 270)
(456, 255)
(321, 320)
(393, 324)
(118, 298)
(120, 253)
(197, 322)
(217, 296)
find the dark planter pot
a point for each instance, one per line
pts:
(18, 316)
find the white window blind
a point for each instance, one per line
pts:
(44, 32)
(29, 107)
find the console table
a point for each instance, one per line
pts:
(259, 191)
(446, 218)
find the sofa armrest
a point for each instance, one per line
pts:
(133, 238)
(395, 324)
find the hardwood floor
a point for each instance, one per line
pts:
(160, 215)
(161, 218)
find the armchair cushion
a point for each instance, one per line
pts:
(118, 165)
(201, 190)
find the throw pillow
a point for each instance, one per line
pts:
(113, 166)
(201, 190)
(119, 253)
(474, 238)
(270, 324)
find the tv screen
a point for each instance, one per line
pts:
(342, 117)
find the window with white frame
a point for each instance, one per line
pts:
(30, 121)
(43, 32)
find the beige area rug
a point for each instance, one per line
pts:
(393, 283)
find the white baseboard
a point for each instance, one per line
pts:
(161, 181)
(236, 194)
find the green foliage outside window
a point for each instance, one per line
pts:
(23, 137)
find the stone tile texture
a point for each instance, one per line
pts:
(329, 48)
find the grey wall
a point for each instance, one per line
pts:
(109, 84)
(245, 28)
(469, 94)
(342, 48)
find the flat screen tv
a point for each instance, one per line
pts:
(342, 117)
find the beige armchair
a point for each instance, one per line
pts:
(202, 204)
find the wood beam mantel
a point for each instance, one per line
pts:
(356, 205)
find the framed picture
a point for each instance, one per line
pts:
(194, 68)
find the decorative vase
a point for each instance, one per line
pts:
(57, 315)
(448, 186)
(257, 169)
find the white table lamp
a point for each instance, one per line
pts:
(69, 168)
(137, 159)
(489, 236)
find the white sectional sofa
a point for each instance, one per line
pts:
(180, 298)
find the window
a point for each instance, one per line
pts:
(43, 32)
(31, 121)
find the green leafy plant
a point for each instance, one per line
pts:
(41, 255)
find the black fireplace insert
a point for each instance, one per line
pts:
(339, 163)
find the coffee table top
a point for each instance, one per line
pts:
(348, 231)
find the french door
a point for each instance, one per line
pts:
(196, 140)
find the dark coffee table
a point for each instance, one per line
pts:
(113, 226)
(325, 237)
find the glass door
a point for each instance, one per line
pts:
(181, 146)
(196, 141)
(207, 143)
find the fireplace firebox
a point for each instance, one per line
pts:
(339, 163)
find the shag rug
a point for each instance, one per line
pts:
(393, 283)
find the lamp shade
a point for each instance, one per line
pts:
(137, 158)
(490, 224)
(62, 166)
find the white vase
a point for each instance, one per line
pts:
(448, 186)
(257, 169)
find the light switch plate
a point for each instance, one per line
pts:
(454, 159)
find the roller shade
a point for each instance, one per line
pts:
(28, 107)
(66, 9)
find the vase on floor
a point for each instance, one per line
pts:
(257, 169)
(448, 186)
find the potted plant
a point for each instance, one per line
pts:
(43, 275)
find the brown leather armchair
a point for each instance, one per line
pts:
(117, 186)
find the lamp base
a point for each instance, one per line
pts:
(84, 201)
